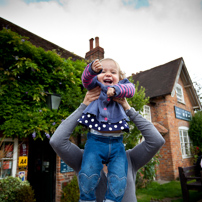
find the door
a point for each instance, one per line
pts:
(42, 170)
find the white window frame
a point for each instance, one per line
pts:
(15, 154)
(180, 95)
(185, 141)
(147, 116)
(147, 113)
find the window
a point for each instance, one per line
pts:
(185, 142)
(146, 115)
(179, 93)
(8, 157)
(147, 112)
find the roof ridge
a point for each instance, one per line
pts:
(180, 58)
(31, 33)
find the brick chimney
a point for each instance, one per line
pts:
(95, 53)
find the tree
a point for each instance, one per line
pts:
(198, 89)
(27, 74)
(195, 129)
(137, 101)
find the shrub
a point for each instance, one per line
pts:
(70, 193)
(195, 129)
(146, 174)
(13, 189)
(196, 151)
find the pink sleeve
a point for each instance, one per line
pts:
(87, 77)
(125, 90)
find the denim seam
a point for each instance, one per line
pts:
(111, 188)
(91, 189)
(109, 150)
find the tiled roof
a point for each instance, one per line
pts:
(159, 80)
(160, 128)
(37, 40)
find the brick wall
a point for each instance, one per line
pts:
(95, 53)
(171, 156)
(61, 178)
(24, 141)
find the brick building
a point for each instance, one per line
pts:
(173, 100)
(170, 90)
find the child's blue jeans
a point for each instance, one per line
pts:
(101, 150)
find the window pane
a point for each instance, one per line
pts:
(185, 132)
(180, 133)
(8, 149)
(186, 149)
(189, 140)
(185, 143)
(179, 93)
(147, 110)
(178, 90)
(6, 159)
(179, 98)
(6, 169)
(185, 139)
(147, 113)
(182, 148)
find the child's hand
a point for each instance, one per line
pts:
(96, 66)
(111, 92)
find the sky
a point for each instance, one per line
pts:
(138, 34)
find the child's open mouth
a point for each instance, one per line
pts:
(108, 81)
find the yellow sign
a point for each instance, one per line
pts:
(22, 161)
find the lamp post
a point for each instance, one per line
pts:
(53, 101)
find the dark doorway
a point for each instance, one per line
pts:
(42, 170)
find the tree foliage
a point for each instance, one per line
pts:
(13, 189)
(27, 74)
(195, 129)
(198, 88)
(137, 101)
(70, 192)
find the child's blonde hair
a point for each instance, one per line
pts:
(122, 74)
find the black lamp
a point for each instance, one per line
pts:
(53, 101)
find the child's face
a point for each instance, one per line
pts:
(109, 74)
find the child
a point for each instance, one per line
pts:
(106, 120)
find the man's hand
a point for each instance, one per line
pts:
(96, 66)
(92, 95)
(123, 102)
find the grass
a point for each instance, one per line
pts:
(167, 190)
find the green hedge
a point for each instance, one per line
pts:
(13, 189)
(27, 74)
(70, 192)
(195, 129)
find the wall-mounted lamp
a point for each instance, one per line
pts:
(53, 101)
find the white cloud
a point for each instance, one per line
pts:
(137, 38)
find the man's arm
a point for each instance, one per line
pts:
(69, 152)
(145, 151)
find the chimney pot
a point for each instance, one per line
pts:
(91, 44)
(94, 53)
(96, 41)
